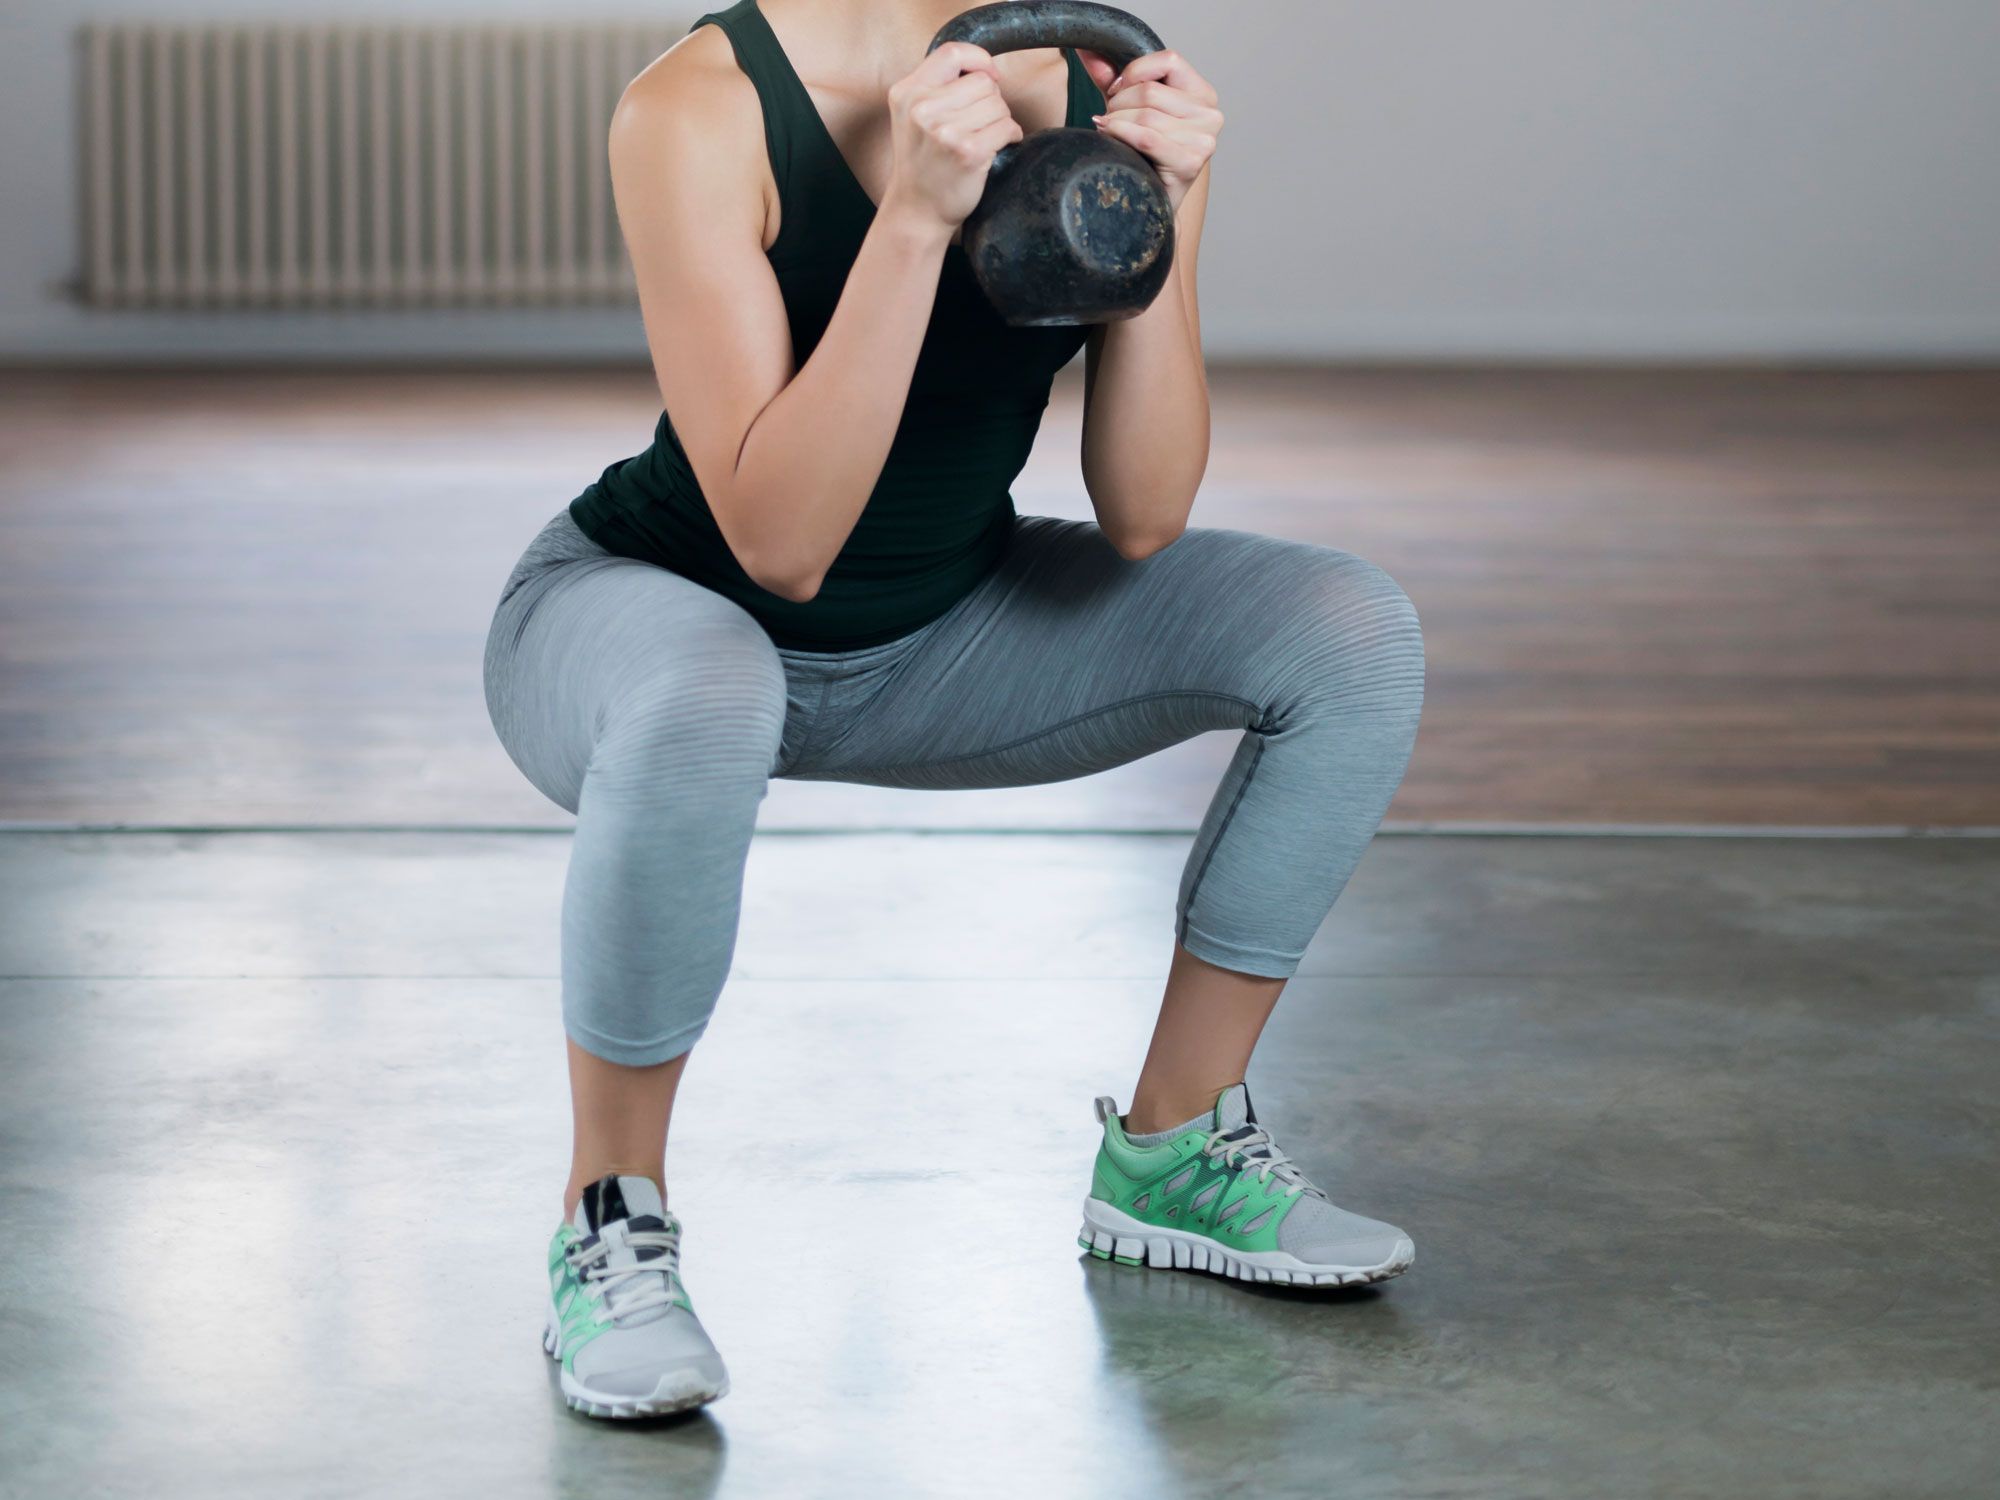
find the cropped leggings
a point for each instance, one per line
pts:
(657, 711)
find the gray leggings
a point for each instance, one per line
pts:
(657, 711)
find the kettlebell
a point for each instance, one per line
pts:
(1072, 226)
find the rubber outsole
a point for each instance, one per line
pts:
(1171, 1249)
(668, 1398)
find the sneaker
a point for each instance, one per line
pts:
(1221, 1197)
(619, 1318)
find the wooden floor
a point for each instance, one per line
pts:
(1689, 597)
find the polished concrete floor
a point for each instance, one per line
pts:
(1696, 1138)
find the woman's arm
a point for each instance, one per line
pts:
(1145, 422)
(787, 458)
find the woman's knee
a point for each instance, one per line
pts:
(1353, 634)
(1370, 606)
(707, 716)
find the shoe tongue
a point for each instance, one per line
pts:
(1232, 1108)
(615, 1197)
(612, 1209)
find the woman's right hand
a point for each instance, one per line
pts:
(947, 120)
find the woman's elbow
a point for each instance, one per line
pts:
(794, 584)
(800, 591)
(779, 569)
(1136, 545)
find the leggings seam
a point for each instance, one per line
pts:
(541, 580)
(1194, 887)
(812, 726)
(1070, 722)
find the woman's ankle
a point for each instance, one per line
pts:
(1155, 1109)
(621, 1119)
(583, 1173)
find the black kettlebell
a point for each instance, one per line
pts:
(1073, 227)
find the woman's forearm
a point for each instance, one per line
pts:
(813, 455)
(1146, 422)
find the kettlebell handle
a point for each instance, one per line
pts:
(1013, 25)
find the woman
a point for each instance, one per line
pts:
(816, 571)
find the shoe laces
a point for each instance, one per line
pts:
(1250, 1149)
(629, 1288)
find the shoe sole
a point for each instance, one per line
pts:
(677, 1391)
(1109, 1234)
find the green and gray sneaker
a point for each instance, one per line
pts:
(1218, 1195)
(619, 1319)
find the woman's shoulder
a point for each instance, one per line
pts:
(694, 87)
(692, 114)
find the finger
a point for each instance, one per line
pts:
(949, 61)
(1101, 72)
(1155, 119)
(1181, 155)
(966, 89)
(989, 139)
(1168, 67)
(960, 124)
(1161, 96)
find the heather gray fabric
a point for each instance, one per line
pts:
(1324, 1234)
(1204, 1121)
(1230, 1112)
(657, 711)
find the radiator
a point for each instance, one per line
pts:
(352, 166)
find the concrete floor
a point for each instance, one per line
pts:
(1696, 1138)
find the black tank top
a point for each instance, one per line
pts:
(938, 518)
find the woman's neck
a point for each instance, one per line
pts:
(880, 38)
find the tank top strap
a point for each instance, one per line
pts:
(779, 90)
(792, 123)
(1085, 98)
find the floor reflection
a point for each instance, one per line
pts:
(682, 1456)
(1246, 1388)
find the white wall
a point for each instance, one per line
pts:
(1426, 178)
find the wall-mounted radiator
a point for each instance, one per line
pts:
(324, 166)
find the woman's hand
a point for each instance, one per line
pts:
(1164, 110)
(947, 121)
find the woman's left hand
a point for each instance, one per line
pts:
(1164, 110)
